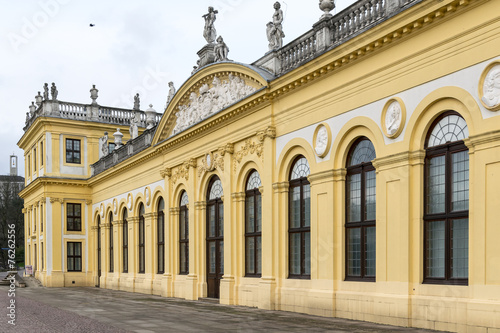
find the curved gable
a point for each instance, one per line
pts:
(207, 92)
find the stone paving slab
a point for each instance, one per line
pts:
(102, 310)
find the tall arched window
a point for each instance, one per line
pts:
(142, 254)
(111, 261)
(253, 226)
(184, 234)
(446, 217)
(299, 218)
(360, 212)
(98, 249)
(215, 236)
(125, 240)
(161, 236)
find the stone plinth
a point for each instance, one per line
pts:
(207, 55)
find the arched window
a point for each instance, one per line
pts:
(253, 226)
(446, 216)
(142, 254)
(360, 212)
(161, 236)
(125, 240)
(111, 261)
(183, 234)
(215, 237)
(98, 249)
(299, 219)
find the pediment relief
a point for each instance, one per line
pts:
(207, 97)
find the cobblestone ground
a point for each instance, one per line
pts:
(101, 310)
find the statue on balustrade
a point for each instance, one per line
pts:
(103, 143)
(135, 121)
(274, 29)
(171, 92)
(53, 91)
(45, 91)
(209, 31)
(137, 102)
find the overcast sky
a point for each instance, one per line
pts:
(135, 46)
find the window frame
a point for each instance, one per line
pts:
(160, 241)
(302, 230)
(125, 241)
(255, 193)
(111, 245)
(447, 150)
(184, 239)
(73, 228)
(73, 151)
(361, 169)
(141, 241)
(74, 257)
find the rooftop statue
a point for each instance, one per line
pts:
(103, 143)
(274, 29)
(209, 31)
(45, 91)
(221, 50)
(171, 92)
(137, 102)
(53, 91)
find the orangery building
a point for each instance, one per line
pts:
(353, 172)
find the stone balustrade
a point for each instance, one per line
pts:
(330, 32)
(87, 112)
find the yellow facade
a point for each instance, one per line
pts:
(430, 58)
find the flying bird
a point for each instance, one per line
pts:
(92, 25)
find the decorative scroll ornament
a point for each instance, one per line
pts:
(322, 140)
(129, 202)
(183, 170)
(210, 162)
(248, 148)
(147, 195)
(393, 117)
(210, 100)
(167, 172)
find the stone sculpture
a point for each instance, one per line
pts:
(45, 91)
(137, 102)
(210, 100)
(209, 31)
(326, 6)
(53, 91)
(393, 118)
(274, 29)
(321, 141)
(221, 50)
(103, 144)
(27, 117)
(171, 92)
(491, 88)
(135, 121)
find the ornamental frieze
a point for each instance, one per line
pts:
(210, 162)
(249, 147)
(183, 170)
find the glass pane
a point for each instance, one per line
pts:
(182, 224)
(460, 248)
(71, 264)
(221, 253)
(125, 259)
(449, 129)
(307, 253)
(70, 209)
(354, 251)
(295, 253)
(259, 254)
(354, 198)
(183, 257)
(364, 152)
(307, 205)
(211, 221)
(300, 169)
(370, 252)
(216, 190)
(460, 181)
(258, 214)
(211, 257)
(70, 249)
(435, 249)
(141, 232)
(250, 255)
(79, 213)
(78, 264)
(141, 259)
(76, 145)
(125, 234)
(254, 181)
(161, 252)
(69, 144)
(184, 199)
(436, 185)
(295, 208)
(221, 220)
(250, 214)
(370, 198)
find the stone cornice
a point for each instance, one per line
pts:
(475, 142)
(339, 175)
(281, 187)
(320, 177)
(46, 181)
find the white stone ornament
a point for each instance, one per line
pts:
(393, 117)
(129, 202)
(489, 87)
(322, 140)
(102, 211)
(210, 100)
(147, 195)
(115, 206)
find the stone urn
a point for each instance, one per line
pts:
(93, 94)
(150, 117)
(327, 6)
(118, 138)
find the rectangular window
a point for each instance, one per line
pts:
(41, 253)
(41, 153)
(142, 255)
(41, 218)
(29, 165)
(74, 217)
(34, 220)
(73, 151)
(184, 240)
(161, 243)
(34, 159)
(125, 246)
(111, 254)
(74, 257)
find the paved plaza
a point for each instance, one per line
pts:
(40, 309)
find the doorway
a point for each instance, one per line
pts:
(215, 237)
